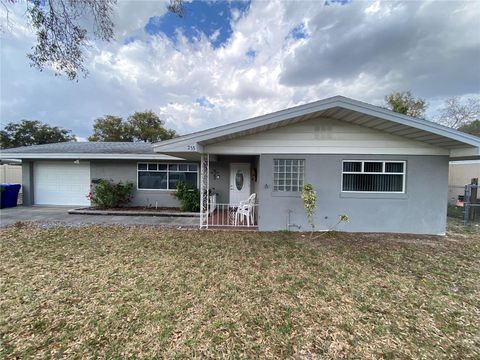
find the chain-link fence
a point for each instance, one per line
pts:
(464, 204)
(471, 204)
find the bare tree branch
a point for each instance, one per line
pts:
(61, 29)
(457, 113)
(4, 4)
(177, 7)
(62, 26)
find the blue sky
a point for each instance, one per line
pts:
(235, 60)
(209, 18)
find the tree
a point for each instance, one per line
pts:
(146, 126)
(111, 128)
(177, 7)
(141, 126)
(457, 113)
(32, 132)
(405, 103)
(471, 128)
(62, 29)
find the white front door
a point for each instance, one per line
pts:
(239, 182)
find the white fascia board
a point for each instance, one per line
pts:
(72, 156)
(185, 146)
(464, 162)
(337, 101)
(465, 154)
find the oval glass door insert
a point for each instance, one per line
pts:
(239, 180)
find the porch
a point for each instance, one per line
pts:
(244, 216)
(228, 188)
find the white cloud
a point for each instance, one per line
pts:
(131, 16)
(362, 50)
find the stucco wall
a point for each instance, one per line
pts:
(422, 209)
(220, 180)
(127, 171)
(27, 182)
(122, 170)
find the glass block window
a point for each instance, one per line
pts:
(373, 176)
(288, 174)
(158, 176)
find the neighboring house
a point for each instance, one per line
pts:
(386, 171)
(461, 173)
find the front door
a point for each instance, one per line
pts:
(239, 182)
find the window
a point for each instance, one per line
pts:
(157, 176)
(373, 176)
(288, 174)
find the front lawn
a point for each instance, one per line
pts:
(149, 292)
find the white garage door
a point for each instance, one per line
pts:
(61, 183)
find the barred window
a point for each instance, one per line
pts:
(161, 176)
(288, 174)
(373, 176)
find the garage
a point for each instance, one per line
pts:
(61, 182)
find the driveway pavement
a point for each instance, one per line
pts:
(58, 215)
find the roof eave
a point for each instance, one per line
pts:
(195, 140)
(86, 156)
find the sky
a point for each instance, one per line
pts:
(227, 61)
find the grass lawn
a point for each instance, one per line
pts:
(148, 292)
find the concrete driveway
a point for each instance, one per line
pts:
(58, 215)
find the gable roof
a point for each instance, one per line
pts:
(337, 107)
(84, 150)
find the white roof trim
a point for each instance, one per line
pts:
(321, 105)
(72, 156)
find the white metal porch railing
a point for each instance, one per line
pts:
(230, 215)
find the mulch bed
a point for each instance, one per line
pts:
(136, 208)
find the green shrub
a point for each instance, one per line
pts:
(188, 196)
(107, 194)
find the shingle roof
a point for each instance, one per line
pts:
(85, 148)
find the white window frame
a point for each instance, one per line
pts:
(404, 174)
(298, 178)
(167, 171)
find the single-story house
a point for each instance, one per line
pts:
(388, 172)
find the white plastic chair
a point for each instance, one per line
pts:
(245, 210)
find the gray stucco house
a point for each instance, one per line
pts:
(386, 171)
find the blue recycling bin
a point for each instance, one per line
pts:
(9, 195)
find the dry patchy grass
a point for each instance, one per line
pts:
(121, 292)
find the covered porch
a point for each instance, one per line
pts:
(228, 191)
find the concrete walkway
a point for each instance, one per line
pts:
(58, 215)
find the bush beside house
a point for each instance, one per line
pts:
(188, 196)
(107, 194)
